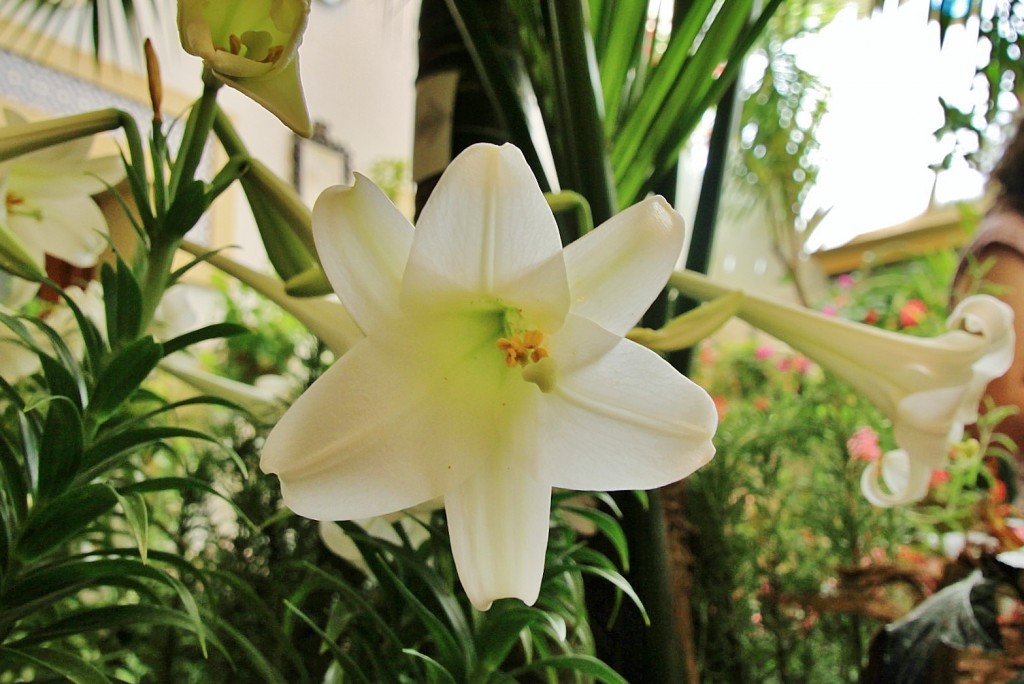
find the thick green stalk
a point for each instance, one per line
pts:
(197, 132)
(585, 167)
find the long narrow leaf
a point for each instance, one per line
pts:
(62, 518)
(58, 661)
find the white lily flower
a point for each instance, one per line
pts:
(48, 199)
(493, 368)
(18, 361)
(413, 523)
(928, 387)
(252, 46)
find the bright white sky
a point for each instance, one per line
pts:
(886, 74)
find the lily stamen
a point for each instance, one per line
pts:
(522, 349)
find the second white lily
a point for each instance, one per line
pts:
(928, 387)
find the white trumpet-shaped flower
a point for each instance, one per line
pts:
(47, 195)
(252, 46)
(928, 387)
(494, 367)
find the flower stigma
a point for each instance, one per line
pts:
(524, 347)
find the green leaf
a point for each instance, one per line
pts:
(188, 206)
(116, 617)
(122, 298)
(95, 346)
(666, 76)
(618, 43)
(13, 478)
(55, 522)
(344, 660)
(60, 381)
(612, 576)
(133, 505)
(208, 332)
(123, 375)
(107, 452)
(372, 550)
(60, 451)
(58, 661)
(449, 651)
(182, 484)
(578, 663)
(501, 629)
(29, 431)
(249, 651)
(435, 670)
(608, 526)
(37, 590)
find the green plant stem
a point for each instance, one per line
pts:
(197, 131)
(585, 167)
(156, 278)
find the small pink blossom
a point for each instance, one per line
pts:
(863, 445)
(829, 310)
(939, 477)
(845, 281)
(801, 364)
(912, 313)
(764, 352)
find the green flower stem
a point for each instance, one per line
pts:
(585, 166)
(156, 278)
(197, 131)
(228, 135)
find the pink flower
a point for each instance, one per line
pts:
(845, 281)
(863, 445)
(829, 310)
(939, 477)
(721, 405)
(763, 352)
(801, 364)
(912, 313)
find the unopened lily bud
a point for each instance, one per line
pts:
(156, 88)
(27, 137)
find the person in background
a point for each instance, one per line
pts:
(993, 263)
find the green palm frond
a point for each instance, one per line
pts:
(103, 26)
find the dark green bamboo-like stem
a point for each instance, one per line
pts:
(585, 168)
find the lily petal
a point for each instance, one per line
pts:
(69, 228)
(488, 230)
(991, 319)
(498, 523)
(280, 93)
(906, 480)
(363, 242)
(386, 441)
(626, 420)
(616, 270)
